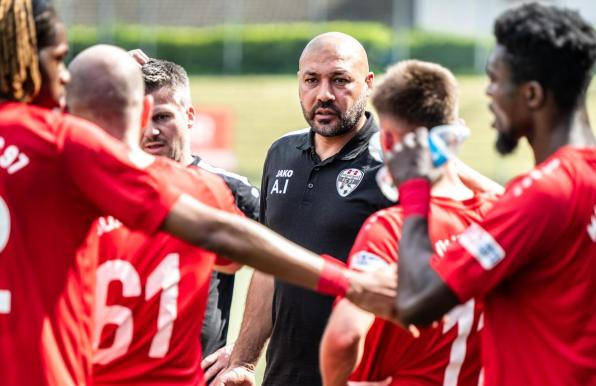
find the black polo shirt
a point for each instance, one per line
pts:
(321, 206)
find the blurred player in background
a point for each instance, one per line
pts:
(532, 260)
(360, 347)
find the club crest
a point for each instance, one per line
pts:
(348, 180)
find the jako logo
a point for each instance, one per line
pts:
(284, 173)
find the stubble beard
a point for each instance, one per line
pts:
(346, 121)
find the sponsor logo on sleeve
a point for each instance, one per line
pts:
(366, 261)
(480, 244)
(348, 180)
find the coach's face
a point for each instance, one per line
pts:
(168, 132)
(507, 102)
(334, 85)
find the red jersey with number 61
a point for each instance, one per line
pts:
(448, 354)
(151, 295)
(533, 261)
(57, 175)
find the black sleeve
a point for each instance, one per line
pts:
(264, 182)
(246, 196)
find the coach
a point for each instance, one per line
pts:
(318, 187)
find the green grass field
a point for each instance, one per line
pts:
(266, 107)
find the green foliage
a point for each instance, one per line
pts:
(275, 48)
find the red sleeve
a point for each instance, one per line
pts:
(377, 242)
(514, 233)
(120, 183)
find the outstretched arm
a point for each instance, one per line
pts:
(250, 243)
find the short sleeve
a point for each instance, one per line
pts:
(514, 233)
(116, 180)
(377, 243)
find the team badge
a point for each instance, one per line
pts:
(348, 180)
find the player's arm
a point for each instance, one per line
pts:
(474, 180)
(423, 296)
(343, 342)
(229, 269)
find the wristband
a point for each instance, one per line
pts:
(333, 280)
(414, 197)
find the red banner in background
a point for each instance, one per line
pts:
(211, 137)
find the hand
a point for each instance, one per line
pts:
(214, 363)
(139, 56)
(375, 291)
(411, 158)
(385, 382)
(239, 375)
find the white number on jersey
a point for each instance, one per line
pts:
(463, 317)
(165, 277)
(4, 234)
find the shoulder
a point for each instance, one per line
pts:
(293, 138)
(382, 226)
(377, 242)
(230, 178)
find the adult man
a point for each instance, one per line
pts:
(360, 347)
(163, 345)
(168, 135)
(44, 311)
(318, 187)
(531, 260)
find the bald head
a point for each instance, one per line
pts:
(107, 89)
(336, 44)
(334, 85)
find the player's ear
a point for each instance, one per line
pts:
(534, 94)
(147, 110)
(190, 114)
(370, 82)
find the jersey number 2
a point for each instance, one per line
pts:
(165, 277)
(4, 234)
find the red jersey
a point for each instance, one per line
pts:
(533, 261)
(151, 296)
(448, 354)
(57, 174)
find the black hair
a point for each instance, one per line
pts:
(554, 46)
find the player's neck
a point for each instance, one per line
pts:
(557, 130)
(451, 186)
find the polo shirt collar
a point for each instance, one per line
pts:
(351, 149)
